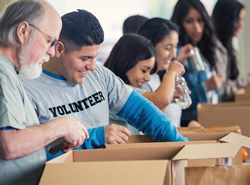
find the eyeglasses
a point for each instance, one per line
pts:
(53, 43)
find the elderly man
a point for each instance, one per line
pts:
(28, 32)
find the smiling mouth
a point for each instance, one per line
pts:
(140, 83)
(82, 73)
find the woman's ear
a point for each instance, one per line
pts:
(59, 48)
(23, 32)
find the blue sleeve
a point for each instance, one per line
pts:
(96, 140)
(143, 115)
(7, 128)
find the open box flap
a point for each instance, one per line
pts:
(208, 151)
(65, 158)
(237, 138)
(106, 173)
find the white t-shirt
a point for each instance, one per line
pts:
(173, 110)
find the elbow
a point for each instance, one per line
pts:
(163, 103)
(6, 153)
(5, 156)
(166, 102)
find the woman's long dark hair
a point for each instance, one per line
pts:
(207, 43)
(127, 52)
(225, 18)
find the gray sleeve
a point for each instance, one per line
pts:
(229, 87)
(12, 109)
(118, 91)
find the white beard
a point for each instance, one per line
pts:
(27, 69)
(30, 71)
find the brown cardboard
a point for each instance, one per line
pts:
(233, 128)
(243, 94)
(199, 137)
(221, 175)
(106, 173)
(226, 114)
(140, 143)
(203, 151)
(103, 165)
(236, 138)
(242, 97)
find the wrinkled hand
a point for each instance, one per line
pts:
(177, 68)
(214, 82)
(116, 134)
(75, 135)
(184, 53)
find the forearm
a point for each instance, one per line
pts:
(163, 95)
(144, 116)
(19, 143)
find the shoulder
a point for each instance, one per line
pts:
(220, 46)
(140, 91)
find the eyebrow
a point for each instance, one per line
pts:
(88, 57)
(146, 66)
(169, 44)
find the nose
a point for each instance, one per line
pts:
(173, 52)
(91, 64)
(147, 77)
(197, 26)
(241, 24)
(51, 51)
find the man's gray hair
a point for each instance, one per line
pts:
(23, 10)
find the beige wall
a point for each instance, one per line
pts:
(4, 3)
(244, 41)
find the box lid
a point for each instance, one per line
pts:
(208, 151)
(106, 173)
(237, 138)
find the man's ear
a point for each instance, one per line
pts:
(23, 32)
(59, 48)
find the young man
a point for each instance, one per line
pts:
(73, 84)
(28, 31)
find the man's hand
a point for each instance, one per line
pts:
(116, 134)
(76, 133)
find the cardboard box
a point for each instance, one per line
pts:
(193, 137)
(200, 138)
(221, 175)
(226, 114)
(243, 95)
(140, 142)
(104, 173)
(214, 129)
(140, 165)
